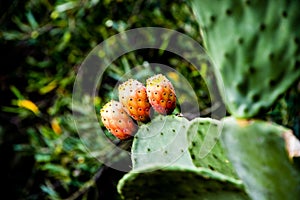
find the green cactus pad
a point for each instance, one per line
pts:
(257, 151)
(179, 183)
(205, 148)
(163, 142)
(255, 46)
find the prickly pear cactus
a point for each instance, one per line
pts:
(163, 142)
(163, 168)
(174, 182)
(258, 152)
(254, 45)
(205, 148)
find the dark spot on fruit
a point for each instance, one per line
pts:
(130, 90)
(166, 152)
(130, 107)
(130, 99)
(157, 85)
(262, 27)
(173, 130)
(120, 121)
(248, 2)
(284, 14)
(104, 119)
(161, 133)
(148, 149)
(181, 150)
(193, 144)
(228, 12)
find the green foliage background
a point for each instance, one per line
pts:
(42, 46)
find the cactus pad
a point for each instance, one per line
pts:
(205, 148)
(182, 183)
(255, 46)
(257, 151)
(163, 142)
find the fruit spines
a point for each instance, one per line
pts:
(117, 121)
(161, 94)
(133, 95)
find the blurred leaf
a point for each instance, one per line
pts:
(33, 23)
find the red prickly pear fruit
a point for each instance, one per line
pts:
(117, 121)
(161, 94)
(133, 95)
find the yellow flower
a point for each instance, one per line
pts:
(55, 126)
(174, 76)
(29, 105)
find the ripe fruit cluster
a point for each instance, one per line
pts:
(135, 103)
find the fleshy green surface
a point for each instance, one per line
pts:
(163, 168)
(179, 183)
(205, 148)
(255, 48)
(257, 151)
(163, 142)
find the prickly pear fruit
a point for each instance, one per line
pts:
(258, 152)
(117, 121)
(161, 94)
(133, 95)
(255, 46)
